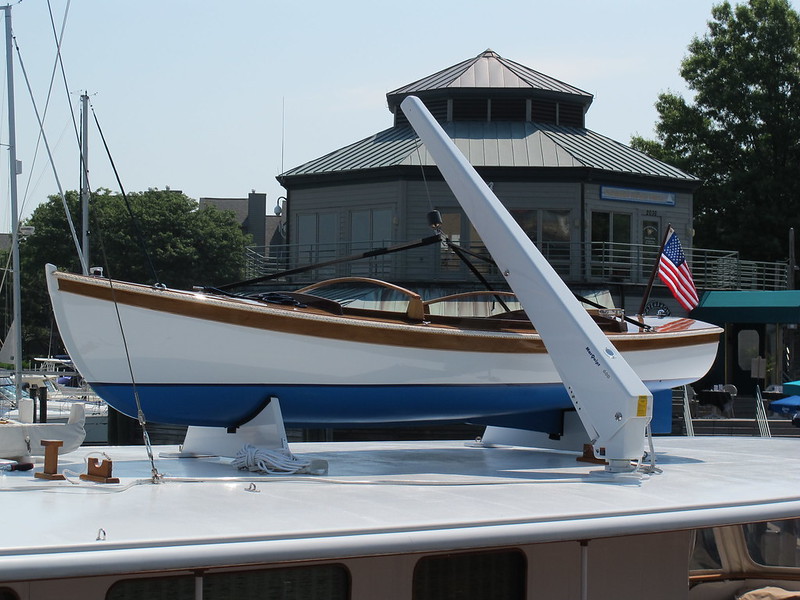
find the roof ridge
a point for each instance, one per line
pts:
(467, 62)
(548, 128)
(521, 70)
(546, 132)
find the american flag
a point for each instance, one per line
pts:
(674, 272)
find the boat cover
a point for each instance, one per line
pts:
(786, 406)
(791, 387)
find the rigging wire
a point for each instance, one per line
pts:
(58, 40)
(422, 171)
(134, 220)
(50, 156)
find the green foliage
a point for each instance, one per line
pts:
(741, 133)
(187, 246)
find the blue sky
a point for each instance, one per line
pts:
(216, 98)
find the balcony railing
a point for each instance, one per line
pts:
(594, 262)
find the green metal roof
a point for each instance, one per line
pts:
(781, 306)
(496, 144)
(489, 70)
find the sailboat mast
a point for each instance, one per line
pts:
(13, 172)
(85, 180)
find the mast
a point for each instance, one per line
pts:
(85, 181)
(14, 169)
(613, 404)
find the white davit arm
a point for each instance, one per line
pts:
(612, 402)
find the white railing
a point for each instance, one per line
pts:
(592, 262)
(761, 415)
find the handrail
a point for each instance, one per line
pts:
(576, 262)
(761, 415)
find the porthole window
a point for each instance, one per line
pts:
(317, 582)
(8, 594)
(494, 575)
(153, 588)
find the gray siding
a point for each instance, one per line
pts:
(343, 199)
(410, 201)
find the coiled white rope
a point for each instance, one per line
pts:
(274, 462)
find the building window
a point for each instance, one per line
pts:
(570, 115)
(528, 220)
(471, 109)
(555, 236)
(317, 238)
(371, 228)
(550, 229)
(544, 111)
(748, 343)
(508, 109)
(451, 226)
(499, 575)
(611, 245)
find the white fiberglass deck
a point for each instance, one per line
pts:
(379, 497)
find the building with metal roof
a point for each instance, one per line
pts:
(596, 207)
(499, 144)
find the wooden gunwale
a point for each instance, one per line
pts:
(370, 330)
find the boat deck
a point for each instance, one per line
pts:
(377, 497)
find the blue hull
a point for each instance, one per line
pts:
(537, 408)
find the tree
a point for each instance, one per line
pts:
(187, 245)
(741, 134)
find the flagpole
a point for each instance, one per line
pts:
(649, 287)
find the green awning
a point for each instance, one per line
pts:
(782, 306)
